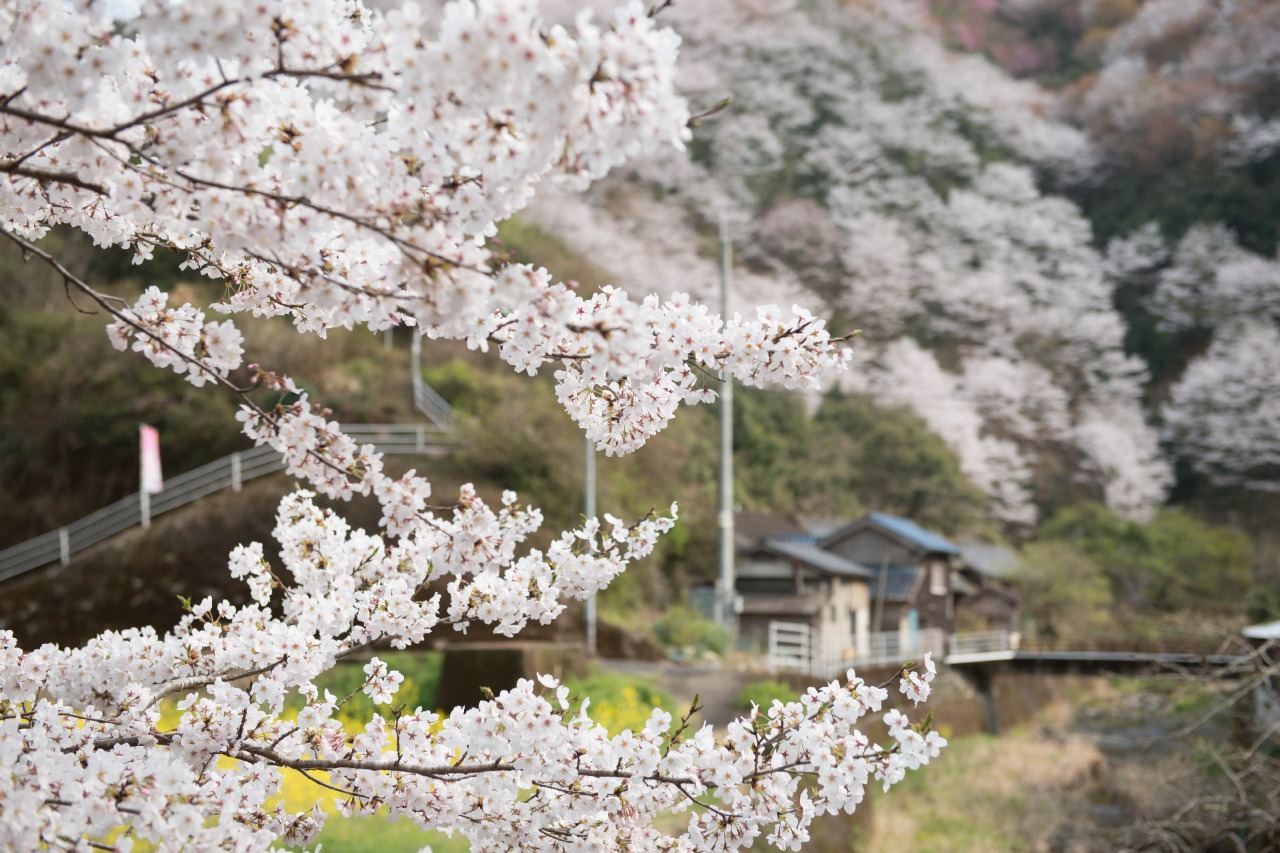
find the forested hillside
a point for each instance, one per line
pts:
(1069, 277)
(1054, 223)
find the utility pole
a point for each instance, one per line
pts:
(415, 365)
(726, 594)
(589, 480)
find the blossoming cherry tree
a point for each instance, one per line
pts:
(344, 166)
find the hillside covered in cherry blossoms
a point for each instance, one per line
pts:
(1069, 275)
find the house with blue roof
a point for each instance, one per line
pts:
(912, 571)
(876, 589)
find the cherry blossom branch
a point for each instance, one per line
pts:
(215, 131)
(44, 175)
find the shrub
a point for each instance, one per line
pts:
(762, 694)
(621, 701)
(687, 634)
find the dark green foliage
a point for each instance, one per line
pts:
(1176, 562)
(69, 413)
(70, 405)
(516, 433)
(773, 438)
(1200, 567)
(891, 462)
(851, 456)
(1245, 198)
(1065, 592)
(1165, 353)
(1263, 604)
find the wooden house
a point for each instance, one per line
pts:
(787, 578)
(985, 598)
(881, 589)
(911, 584)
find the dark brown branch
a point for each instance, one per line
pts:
(303, 201)
(6, 103)
(324, 784)
(45, 176)
(368, 80)
(719, 107)
(656, 10)
(161, 738)
(96, 845)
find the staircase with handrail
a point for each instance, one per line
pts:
(231, 472)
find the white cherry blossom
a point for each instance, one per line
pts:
(343, 166)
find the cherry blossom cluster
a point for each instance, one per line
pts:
(343, 166)
(315, 449)
(1221, 415)
(625, 388)
(90, 762)
(327, 161)
(178, 338)
(1224, 72)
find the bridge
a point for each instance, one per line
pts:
(988, 659)
(792, 649)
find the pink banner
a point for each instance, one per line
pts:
(152, 481)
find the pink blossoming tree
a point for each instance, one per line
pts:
(343, 166)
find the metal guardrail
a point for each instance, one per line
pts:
(229, 472)
(893, 648)
(980, 642)
(425, 398)
(431, 404)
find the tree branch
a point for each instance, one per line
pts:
(45, 176)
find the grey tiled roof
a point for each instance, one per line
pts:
(780, 605)
(995, 561)
(811, 555)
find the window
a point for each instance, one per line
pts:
(938, 578)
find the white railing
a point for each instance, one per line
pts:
(425, 398)
(431, 404)
(792, 645)
(979, 643)
(893, 648)
(229, 472)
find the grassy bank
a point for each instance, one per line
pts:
(987, 794)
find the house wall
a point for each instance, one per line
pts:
(753, 633)
(860, 613)
(986, 611)
(753, 628)
(765, 576)
(836, 635)
(872, 548)
(935, 609)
